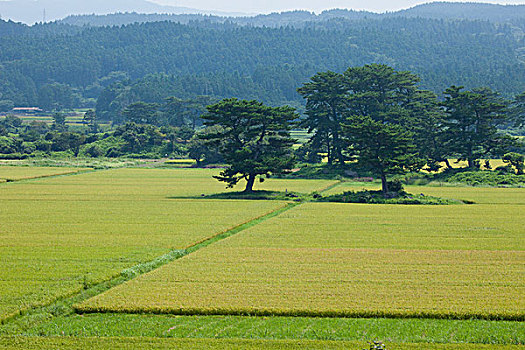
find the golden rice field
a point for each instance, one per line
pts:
(494, 163)
(324, 259)
(144, 185)
(479, 195)
(112, 343)
(59, 233)
(15, 173)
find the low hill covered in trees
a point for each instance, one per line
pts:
(65, 66)
(436, 10)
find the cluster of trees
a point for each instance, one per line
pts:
(173, 111)
(273, 85)
(374, 115)
(19, 140)
(56, 66)
(381, 118)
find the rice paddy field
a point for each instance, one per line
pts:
(59, 234)
(205, 344)
(338, 260)
(238, 274)
(16, 173)
(479, 195)
(76, 119)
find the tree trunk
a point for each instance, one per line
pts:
(447, 163)
(249, 184)
(337, 156)
(471, 163)
(329, 150)
(384, 184)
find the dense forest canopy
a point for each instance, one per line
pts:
(436, 10)
(56, 66)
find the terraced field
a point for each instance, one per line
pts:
(60, 235)
(348, 260)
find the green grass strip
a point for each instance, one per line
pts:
(240, 228)
(66, 305)
(282, 328)
(53, 343)
(50, 176)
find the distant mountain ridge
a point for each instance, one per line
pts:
(465, 10)
(436, 10)
(33, 11)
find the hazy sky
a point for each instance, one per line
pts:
(264, 6)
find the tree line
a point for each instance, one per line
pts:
(58, 66)
(374, 117)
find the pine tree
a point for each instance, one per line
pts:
(253, 139)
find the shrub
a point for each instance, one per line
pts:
(94, 151)
(14, 156)
(377, 197)
(516, 160)
(488, 178)
(395, 186)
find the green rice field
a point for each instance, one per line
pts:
(136, 258)
(284, 328)
(347, 260)
(15, 173)
(205, 344)
(84, 229)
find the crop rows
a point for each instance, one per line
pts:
(60, 235)
(274, 328)
(205, 344)
(347, 260)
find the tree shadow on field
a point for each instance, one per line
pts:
(255, 195)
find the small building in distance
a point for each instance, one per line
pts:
(26, 110)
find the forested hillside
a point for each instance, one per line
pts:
(31, 11)
(67, 66)
(469, 10)
(436, 10)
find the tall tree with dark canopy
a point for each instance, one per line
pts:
(253, 139)
(382, 148)
(428, 128)
(517, 111)
(59, 121)
(380, 92)
(471, 119)
(141, 113)
(90, 119)
(175, 111)
(326, 104)
(381, 109)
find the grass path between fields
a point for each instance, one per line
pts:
(65, 306)
(30, 322)
(49, 176)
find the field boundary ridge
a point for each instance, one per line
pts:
(68, 304)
